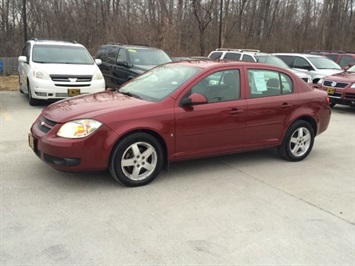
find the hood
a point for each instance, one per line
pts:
(328, 72)
(67, 69)
(342, 77)
(90, 106)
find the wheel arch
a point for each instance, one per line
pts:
(310, 120)
(157, 136)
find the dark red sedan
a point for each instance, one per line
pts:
(340, 87)
(181, 111)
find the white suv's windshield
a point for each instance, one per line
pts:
(148, 57)
(159, 82)
(324, 63)
(61, 54)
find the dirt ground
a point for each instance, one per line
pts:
(9, 83)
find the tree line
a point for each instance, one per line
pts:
(182, 27)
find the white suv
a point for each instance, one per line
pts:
(234, 54)
(56, 70)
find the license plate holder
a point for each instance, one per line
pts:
(330, 90)
(32, 142)
(73, 92)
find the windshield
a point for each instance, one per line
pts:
(148, 57)
(61, 54)
(324, 63)
(159, 82)
(272, 60)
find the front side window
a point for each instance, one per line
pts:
(301, 63)
(266, 83)
(148, 57)
(61, 54)
(248, 58)
(220, 86)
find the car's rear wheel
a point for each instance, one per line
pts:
(136, 160)
(298, 141)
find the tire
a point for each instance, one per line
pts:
(130, 165)
(298, 141)
(31, 101)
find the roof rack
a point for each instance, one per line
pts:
(239, 50)
(51, 40)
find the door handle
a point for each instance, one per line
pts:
(286, 105)
(236, 111)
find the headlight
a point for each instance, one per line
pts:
(98, 75)
(320, 81)
(40, 74)
(78, 128)
(353, 86)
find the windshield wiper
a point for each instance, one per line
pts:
(130, 94)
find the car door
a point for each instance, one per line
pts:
(214, 127)
(271, 101)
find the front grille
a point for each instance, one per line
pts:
(341, 85)
(73, 81)
(45, 125)
(71, 78)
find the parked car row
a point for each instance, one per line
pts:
(52, 70)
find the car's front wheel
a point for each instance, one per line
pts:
(136, 160)
(298, 141)
(31, 100)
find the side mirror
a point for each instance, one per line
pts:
(194, 99)
(22, 59)
(98, 62)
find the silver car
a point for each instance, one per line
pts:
(316, 66)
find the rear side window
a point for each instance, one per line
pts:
(232, 56)
(215, 55)
(266, 83)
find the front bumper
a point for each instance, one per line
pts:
(48, 89)
(91, 153)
